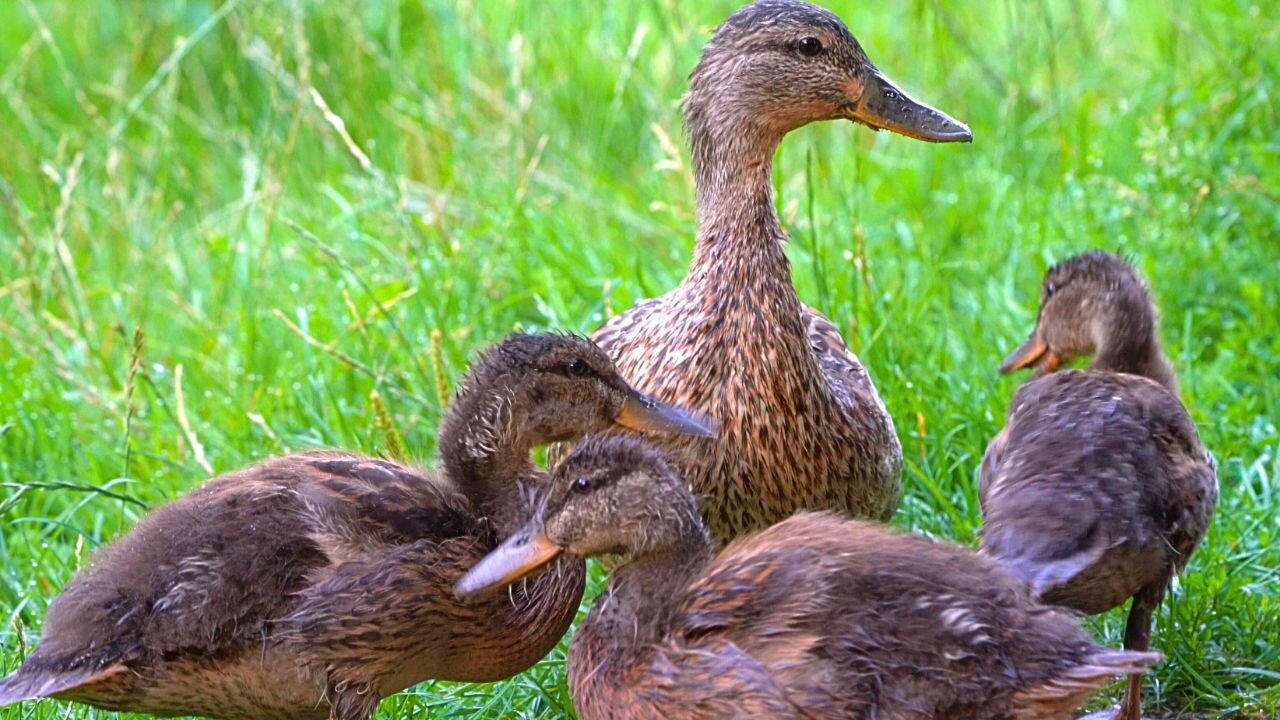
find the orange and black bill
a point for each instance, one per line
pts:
(882, 105)
(1032, 352)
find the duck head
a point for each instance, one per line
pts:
(781, 64)
(536, 389)
(611, 495)
(1093, 304)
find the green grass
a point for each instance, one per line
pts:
(178, 169)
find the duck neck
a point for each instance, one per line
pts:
(740, 274)
(486, 453)
(638, 604)
(1126, 341)
(1145, 359)
(732, 164)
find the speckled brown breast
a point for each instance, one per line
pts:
(802, 426)
(419, 634)
(320, 665)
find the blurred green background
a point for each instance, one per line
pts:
(300, 203)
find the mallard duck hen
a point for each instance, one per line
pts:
(816, 617)
(1097, 490)
(803, 426)
(313, 585)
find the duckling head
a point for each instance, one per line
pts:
(777, 65)
(610, 495)
(1091, 304)
(535, 389)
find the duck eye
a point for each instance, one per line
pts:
(579, 367)
(582, 484)
(809, 46)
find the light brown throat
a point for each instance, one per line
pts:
(740, 278)
(635, 610)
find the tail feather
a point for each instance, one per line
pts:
(1065, 693)
(28, 684)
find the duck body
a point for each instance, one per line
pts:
(313, 585)
(307, 584)
(1098, 488)
(802, 426)
(820, 617)
(815, 617)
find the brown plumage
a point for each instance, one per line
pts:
(816, 617)
(803, 426)
(313, 585)
(1097, 489)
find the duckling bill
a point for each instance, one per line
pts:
(313, 585)
(1098, 488)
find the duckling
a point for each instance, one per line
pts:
(313, 585)
(1097, 490)
(802, 424)
(815, 617)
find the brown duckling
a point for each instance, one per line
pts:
(313, 585)
(1097, 490)
(815, 617)
(803, 425)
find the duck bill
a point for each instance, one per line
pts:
(644, 414)
(882, 105)
(1034, 351)
(520, 555)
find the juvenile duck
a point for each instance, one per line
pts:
(816, 617)
(313, 585)
(803, 426)
(1097, 489)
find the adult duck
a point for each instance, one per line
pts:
(818, 617)
(1097, 490)
(313, 585)
(802, 424)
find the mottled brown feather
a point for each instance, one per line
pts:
(313, 585)
(1097, 489)
(815, 617)
(314, 580)
(802, 424)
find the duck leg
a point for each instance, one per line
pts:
(1137, 636)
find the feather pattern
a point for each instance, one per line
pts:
(802, 425)
(817, 616)
(315, 584)
(1098, 489)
